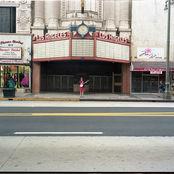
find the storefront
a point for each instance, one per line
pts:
(145, 76)
(59, 60)
(15, 61)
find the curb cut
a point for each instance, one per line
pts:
(109, 100)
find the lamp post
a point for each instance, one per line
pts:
(167, 93)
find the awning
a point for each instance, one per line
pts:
(151, 66)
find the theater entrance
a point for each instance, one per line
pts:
(64, 76)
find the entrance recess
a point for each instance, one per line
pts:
(64, 76)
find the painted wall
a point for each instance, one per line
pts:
(149, 27)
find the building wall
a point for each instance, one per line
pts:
(149, 27)
(58, 16)
(23, 14)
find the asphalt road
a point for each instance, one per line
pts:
(107, 121)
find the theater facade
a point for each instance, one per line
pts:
(59, 60)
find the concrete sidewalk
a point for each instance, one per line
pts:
(68, 96)
(86, 154)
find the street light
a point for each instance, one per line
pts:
(167, 93)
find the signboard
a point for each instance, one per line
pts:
(112, 50)
(155, 72)
(15, 47)
(10, 53)
(150, 53)
(82, 47)
(53, 49)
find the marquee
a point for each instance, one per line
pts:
(66, 46)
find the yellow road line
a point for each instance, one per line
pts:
(155, 114)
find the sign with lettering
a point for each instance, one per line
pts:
(155, 72)
(10, 53)
(49, 36)
(111, 37)
(150, 53)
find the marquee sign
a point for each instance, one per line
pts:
(66, 46)
(111, 37)
(10, 53)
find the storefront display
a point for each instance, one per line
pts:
(19, 74)
(15, 60)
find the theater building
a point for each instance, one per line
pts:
(59, 60)
(61, 55)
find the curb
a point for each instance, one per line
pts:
(109, 100)
(38, 99)
(128, 100)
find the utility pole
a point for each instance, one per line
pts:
(167, 93)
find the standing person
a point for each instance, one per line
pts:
(161, 88)
(81, 86)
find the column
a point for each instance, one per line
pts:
(124, 14)
(117, 13)
(36, 77)
(39, 14)
(109, 13)
(126, 78)
(54, 13)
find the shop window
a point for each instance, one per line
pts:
(20, 75)
(23, 74)
(7, 19)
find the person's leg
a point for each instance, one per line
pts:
(82, 93)
(160, 90)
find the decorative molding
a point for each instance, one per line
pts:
(63, 8)
(100, 9)
(23, 14)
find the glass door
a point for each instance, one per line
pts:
(150, 84)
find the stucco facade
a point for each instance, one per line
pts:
(149, 28)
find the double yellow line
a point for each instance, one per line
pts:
(140, 114)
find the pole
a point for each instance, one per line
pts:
(167, 93)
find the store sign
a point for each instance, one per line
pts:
(10, 53)
(13, 41)
(155, 72)
(14, 62)
(150, 53)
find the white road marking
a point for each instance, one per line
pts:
(58, 133)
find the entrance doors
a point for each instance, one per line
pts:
(150, 84)
(60, 82)
(100, 83)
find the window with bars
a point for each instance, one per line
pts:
(7, 20)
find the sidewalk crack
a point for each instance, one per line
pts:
(12, 153)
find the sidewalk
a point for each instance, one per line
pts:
(86, 154)
(70, 96)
